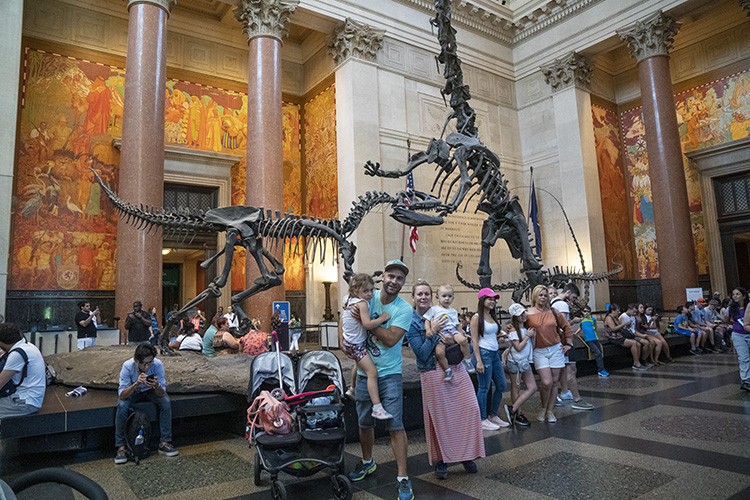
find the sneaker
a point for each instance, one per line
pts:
(668, 360)
(559, 401)
(470, 466)
(745, 386)
(695, 352)
(512, 415)
(404, 490)
(441, 470)
(121, 457)
(362, 470)
(488, 425)
(566, 396)
(522, 420)
(469, 366)
(542, 416)
(640, 368)
(499, 421)
(381, 414)
(604, 373)
(648, 365)
(551, 417)
(582, 405)
(350, 393)
(168, 450)
(448, 375)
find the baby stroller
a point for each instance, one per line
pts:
(318, 436)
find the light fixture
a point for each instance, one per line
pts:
(328, 312)
(165, 251)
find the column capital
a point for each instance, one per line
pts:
(650, 37)
(570, 70)
(265, 17)
(164, 4)
(355, 39)
(745, 4)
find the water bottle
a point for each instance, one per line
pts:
(139, 438)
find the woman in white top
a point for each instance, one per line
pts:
(234, 322)
(522, 352)
(189, 340)
(484, 332)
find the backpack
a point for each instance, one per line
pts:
(10, 387)
(137, 436)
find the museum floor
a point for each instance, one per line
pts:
(678, 431)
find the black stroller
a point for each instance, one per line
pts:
(317, 440)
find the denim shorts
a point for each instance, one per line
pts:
(391, 390)
(549, 357)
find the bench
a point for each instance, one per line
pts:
(96, 410)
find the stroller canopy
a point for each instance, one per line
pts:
(264, 367)
(320, 362)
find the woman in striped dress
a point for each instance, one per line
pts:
(451, 412)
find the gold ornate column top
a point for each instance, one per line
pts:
(745, 4)
(265, 17)
(355, 39)
(164, 4)
(650, 37)
(570, 70)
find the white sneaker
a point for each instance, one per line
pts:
(488, 425)
(566, 396)
(498, 421)
(469, 366)
(350, 393)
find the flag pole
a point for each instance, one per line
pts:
(531, 184)
(403, 227)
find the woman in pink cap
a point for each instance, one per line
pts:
(485, 329)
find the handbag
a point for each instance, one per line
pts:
(10, 387)
(269, 413)
(453, 354)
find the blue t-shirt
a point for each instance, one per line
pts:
(699, 315)
(588, 325)
(388, 360)
(681, 322)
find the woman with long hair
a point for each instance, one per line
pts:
(652, 329)
(616, 331)
(485, 329)
(451, 412)
(739, 314)
(554, 338)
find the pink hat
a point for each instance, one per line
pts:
(487, 292)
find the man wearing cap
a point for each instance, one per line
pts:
(699, 318)
(137, 325)
(384, 346)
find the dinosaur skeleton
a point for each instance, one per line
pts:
(478, 173)
(251, 227)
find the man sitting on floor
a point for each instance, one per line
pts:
(26, 372)
(142, 379)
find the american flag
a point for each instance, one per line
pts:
(413, 235)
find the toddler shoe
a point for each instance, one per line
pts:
(448, 375)
(469, 366)
(381, 414)
(350, 393)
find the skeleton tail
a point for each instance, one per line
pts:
(512, 285)
(180, 224)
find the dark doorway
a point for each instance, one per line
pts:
(171, 281)
(742, 252)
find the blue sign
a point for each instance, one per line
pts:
(283, 308)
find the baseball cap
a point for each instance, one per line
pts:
(397, 263)
(701, 301)
(487, 292)
(516, 309)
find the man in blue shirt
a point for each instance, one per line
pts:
(142, 379)
(386, 351)
(682, 327)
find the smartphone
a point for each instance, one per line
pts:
(151, 378)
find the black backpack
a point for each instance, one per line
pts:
(10, 387)
(137, 436)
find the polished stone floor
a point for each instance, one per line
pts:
(679, 431)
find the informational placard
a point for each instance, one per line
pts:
(694, 294)
(283, 308)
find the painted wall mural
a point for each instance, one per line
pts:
(708, 115)
(320, 155)
(618, 230)
(71, 111)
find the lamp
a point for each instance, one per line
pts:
(165, 251)
(328, 313)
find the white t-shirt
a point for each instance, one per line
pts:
(191, 343)
(489, 339)
(232, 319)
(625, 318)
(354, 331)
(35, 384)
(648, 321)
(528, 349)
(435, 312)
(562, 307)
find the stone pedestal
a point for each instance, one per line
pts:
(139, 264)
(649, 42)
(11, 21)
(265, 22)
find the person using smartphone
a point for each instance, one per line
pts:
(137, 325)
(86, 321)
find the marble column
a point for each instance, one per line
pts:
(265, 22)
(649, 42)
(570, 77)
(353, 47)
(11, 22)
(141, 179)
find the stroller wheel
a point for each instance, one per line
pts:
(342, 487)
(256, 469)
(278, 393)
(278, 491)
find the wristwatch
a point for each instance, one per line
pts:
(569, 345)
